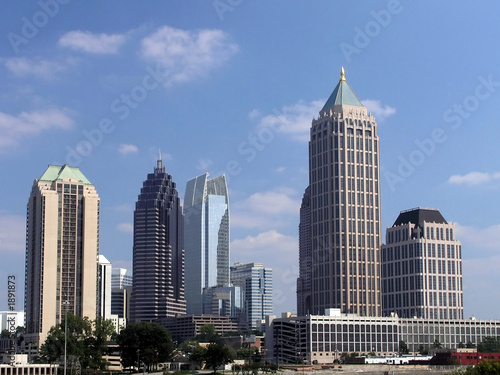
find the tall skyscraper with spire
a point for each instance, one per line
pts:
(344, 208)
(206, 205)
(62, 246)
(158, 252)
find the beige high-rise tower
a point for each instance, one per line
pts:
(422, 267)
(344, 209)
(62, 247)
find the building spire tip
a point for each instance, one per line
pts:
(159, 163)
(342, 74)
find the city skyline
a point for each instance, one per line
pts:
(233, 90)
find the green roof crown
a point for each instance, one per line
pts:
(59, 173)
(343, 94)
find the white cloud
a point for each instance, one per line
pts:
(125, 228)
(480, 275)
(13, 128)
(277, 251)
(294, 120)
(254, 113)
(186, 55)
(280, 169)
(92, 43)
(204, 164)
(125, 207)
(126, 149)
(265, 209)
(12, 234)
(39, 68)
(378, 110)
(250, 248)
(474, 178)
(480, 240)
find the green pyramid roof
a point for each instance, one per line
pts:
(343, 94)
(58, 172)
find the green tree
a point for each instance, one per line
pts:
(436, 344)
(53, 347)
(86, 341)
(188, 346)
(146, 342)
(95, 345)
(403, 348)
(5, 334)
(208, 334)
(197, 355)
(247, 353)
(77, 330)
(218, 354)
(489, 345)
(482, 368)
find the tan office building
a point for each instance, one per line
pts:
(62, 247)
(422, 267)
(340, 224)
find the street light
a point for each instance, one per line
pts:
(65, 332)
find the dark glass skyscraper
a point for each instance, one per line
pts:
(158, 254)
(304, 279)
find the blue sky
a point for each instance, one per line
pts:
(231, 86)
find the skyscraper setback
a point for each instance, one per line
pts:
(206, 206)
(62, 246)
(158, 252)
(344, 208)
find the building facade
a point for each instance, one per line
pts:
(121, 291)
(188, 326)
(344, 188)
(206, 208)
(158, 251)
(62, 246)
(256, 284)
(104, 288)
(305, 258)
(323, 338)
(422, 267)
(223, 301)
(120, 278)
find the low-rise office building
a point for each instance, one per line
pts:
(322, 338)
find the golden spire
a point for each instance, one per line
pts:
(342, 74)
